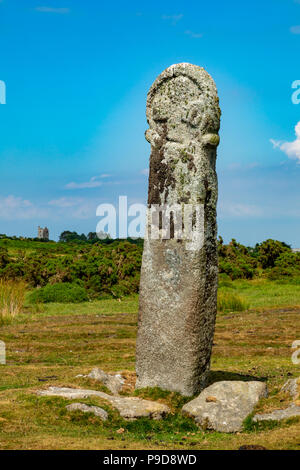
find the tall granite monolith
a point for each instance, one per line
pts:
(178, 287)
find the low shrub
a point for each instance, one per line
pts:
(59, 293)
(279, 273)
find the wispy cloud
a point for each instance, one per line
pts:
(92, 183)
(145, 171)
(295, 29)
(75, 208)
(65, 202)
(193, 35)
(173, 18)
(240, 210)
(291, 149)
(14, 208)
(61, 11)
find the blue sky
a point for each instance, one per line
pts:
(72, 130)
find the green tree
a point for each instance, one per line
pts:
(68, 236)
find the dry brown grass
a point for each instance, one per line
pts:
(12, 296)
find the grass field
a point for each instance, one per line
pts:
(51, 344)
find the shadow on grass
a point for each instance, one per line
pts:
(220, 375)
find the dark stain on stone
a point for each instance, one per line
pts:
(161, 175)
(191, 164)
(172, 229)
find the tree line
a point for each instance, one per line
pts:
(112, 267)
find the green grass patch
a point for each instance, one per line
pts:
(173, 399)
(261, 293)
(228, 301)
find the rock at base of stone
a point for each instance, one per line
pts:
(234, 401)
(114, 383)
(96, 410)
(129, 407)
(292, 387)
(291, 411)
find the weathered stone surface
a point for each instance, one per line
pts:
(234, 402)
(178, 289)
(72, 393)
(2, 353)
(114, 383)
(128, 407)
(291, 411)
(96, 410)
(292, 387)
(133, 407)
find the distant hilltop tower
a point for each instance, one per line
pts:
(43, 233)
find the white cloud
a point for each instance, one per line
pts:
(295, 29)
(193, 35)
(145, 171)
(291, 149)
(74, 208)
(14, 208)
(173, 18)
(13, 202)
(92, 183)
(64, 202)
(240, 210)
(84, 211)
(52, 10)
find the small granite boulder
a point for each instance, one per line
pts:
(133, 407)
(292, 387)
(291, 411)
(114, 383)
(233, 402)
(96, 410)
(128, 407)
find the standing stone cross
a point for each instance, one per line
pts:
(178, 288)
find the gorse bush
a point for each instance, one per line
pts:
(269, 251)
(111, 268)
(236, 260)
(102, 269)
(12, 296)
(227, 301)
(60, 293)
(286, 265)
